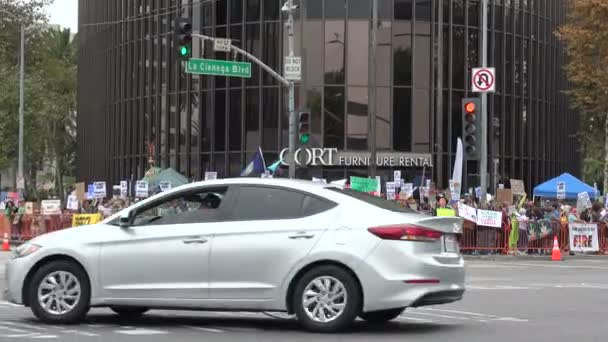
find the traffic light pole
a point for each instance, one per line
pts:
(289, 8)
(483, 161)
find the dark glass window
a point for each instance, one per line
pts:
(358, 9)
(474, 12)
(253, 10)
(423, 10)
(272, 41)
(373, 200)
(357, 122)
(421, 122)
(334, 117)
(220, 120)
(334, 52)
(264, 203)
(272, 9)
(358, 47)
(270, 119)
(458, 12)
(314, 52)
(383, 118)
(402, 53)
(236, 11)
(422, 61)
(314, 205)
(254, 46)
(402, 119)
(403, 9)
(335, 9)
(313, 102)
(234, 122)
(221, 12)
(314, 9)
(458, 58)
(252, 119)
(385, 9)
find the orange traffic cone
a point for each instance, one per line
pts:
(556, 254)
(6, 246)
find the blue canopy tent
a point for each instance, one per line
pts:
(573, 187)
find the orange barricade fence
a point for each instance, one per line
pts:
(31, 226)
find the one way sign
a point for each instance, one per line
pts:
(483, 80)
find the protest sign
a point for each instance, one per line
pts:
(478, 192)
(164, 186)
(467, 212)
(141, 189)
(561, 190)
(446, 212)
(210, 175)
(518, 188)
(99, 190)
(488, 218)
(512, 210)
(583, 197)
(397, 175)
(90, 192)
(583, 237)
(80, 191)
(408, 190)
(72, 203)
(85, 219)
(50, 207)
(390, 191)
(124, 189)
(504, 195)
(29, 208)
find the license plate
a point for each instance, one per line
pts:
(450, 244)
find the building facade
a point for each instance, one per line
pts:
(135, 99)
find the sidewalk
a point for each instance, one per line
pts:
(503, 258)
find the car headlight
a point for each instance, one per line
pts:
(25, 250)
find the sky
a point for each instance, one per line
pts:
(64, 13)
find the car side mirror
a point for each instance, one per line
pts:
(126, 219)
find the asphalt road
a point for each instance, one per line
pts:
(506, 300)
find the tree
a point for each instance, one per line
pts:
(586, 38)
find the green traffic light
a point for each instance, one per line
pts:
(304, 138)
(183, 50)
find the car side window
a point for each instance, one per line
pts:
(191, 207)
(269, 203)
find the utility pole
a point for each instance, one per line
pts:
(483, 162)
(439, 90)
(290, 8)
(371, 106)
(20, 179)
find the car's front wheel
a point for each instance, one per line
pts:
(129, 312)
(327, 299)
(381, 316)
(59, 293)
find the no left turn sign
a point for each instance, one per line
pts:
(483, 80)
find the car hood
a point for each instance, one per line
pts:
(72, 236)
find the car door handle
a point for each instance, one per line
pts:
(196, 240)
(302, 235)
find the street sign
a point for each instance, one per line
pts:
(218, 68)
(483, 80)
(222, 45)
(293, 68)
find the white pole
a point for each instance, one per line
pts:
(291, 103)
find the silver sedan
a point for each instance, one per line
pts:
(324, 253)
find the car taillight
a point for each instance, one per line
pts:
(405, 232)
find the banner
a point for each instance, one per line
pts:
(363, 184)
(72, 202)
(50, 207)
(488, 218)
(584, 237)
(85, 219)
(467, 212)
(141, 189)
(99, 190)
(446, 212)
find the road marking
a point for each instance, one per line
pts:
(436, 315)
(82, 333)
(141, 332)
(31, 335)
(44, 336)
(206, 329)
(15, 330)
(483, 317)
(23, 325)
(511, 319)
(459, 312)
(416, 319)
(3, 302)
(556, 266)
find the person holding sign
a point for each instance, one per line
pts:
(443, 209)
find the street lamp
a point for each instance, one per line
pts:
(20, 180)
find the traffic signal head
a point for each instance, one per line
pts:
(183, 37)
(471, 127)
(304, 127)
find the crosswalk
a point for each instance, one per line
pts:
(15, 329)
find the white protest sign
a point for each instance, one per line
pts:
(390, 191)
(210, 175)
(408, 190)
(488, 218)
(586, 201)
(72, 202)
(397, 175)
(583, 237)
(141, 189)
(164, 186)
(124, 189)
(319, 180)
(512, 210)
(467, 212)
(99, 190)
(50, 207)
(501, 186)
(561, 190)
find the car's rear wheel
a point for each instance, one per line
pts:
(59, 293)
(327, 299)
(381, 316)
(129, 312)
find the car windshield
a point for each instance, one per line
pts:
(373, 200)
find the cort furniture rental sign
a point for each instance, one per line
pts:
(313, 156)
